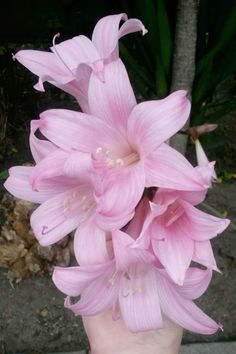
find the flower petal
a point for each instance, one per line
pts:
(136, 224)
(153, 122)
(39, 148)
(132, 25)
(166, 196)
(139, 301)
(203, 254)
(150, 228)
(202, 226)
(113, 99)
(202, 159)
(73, 280)
(107, 33)
(75, 51)
(50, 166)
(100, 295)
(44, 64)
(115, 209)
(183, 311)
(78, 164)
(58, 216)
(81, 132)
(18, 185)
(175, 253)
(195, 284)
(167, 168)
(90, 243)
(126, 256)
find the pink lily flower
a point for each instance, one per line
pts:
(178, 233)
(66, 200)
(71, 62)
(135, 289)
(126, 143)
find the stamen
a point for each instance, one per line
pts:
(85, 207)
(66, 205)
(113, 279)
(120, 162)
(99, 150)
(174, 211)
(57, 35)
(126, 275)
(130, 292)
(85, 203)
(105, 157)
(131, 158)
(110, 162)
(75, 194)
(46, 230)
(221, 327)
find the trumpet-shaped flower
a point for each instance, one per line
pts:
(66, 200)
(135, 289)
(70, 64)
(180, 233)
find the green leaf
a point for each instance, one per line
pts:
(161, 82)
(227, 32)
(202, 84)
(147, 12)
(225, 108)
(141, 73)
(3, 175)
(163, 33)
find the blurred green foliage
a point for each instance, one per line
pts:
(214, 90)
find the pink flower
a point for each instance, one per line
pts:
(70, 64)
(126, 143)
(136, 290)
(179, 232)
(66, 200)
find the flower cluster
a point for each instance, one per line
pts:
(109, 175)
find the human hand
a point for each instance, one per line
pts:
(111, 337)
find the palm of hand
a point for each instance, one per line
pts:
(111, 337)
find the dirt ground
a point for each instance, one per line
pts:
(33, 320)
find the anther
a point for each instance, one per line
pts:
(120, 162)
(99, 150)
(75, 194)
(110, 162)
(44, 230)
(131, 292)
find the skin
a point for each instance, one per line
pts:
(111, 337)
